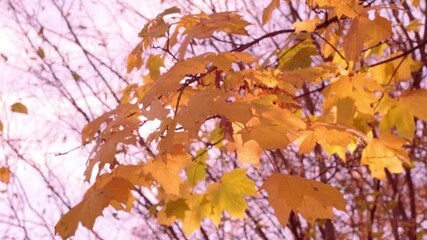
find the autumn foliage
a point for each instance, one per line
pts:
(253, 105)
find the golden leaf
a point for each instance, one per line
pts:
(383, 153)
(166, 174)
(364, 31)
(268, 11)
(307, 25)
(229, 193)
(312, 199)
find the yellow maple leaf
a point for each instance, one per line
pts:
(400, 112)
(312, 199)
(247, 152)
(297, 56)
(349, 8)
(172, 79)
(196, 171)
(229, 193)
(383, 153)
(310, 74)
(359, 87)
(276, 123)
(307, 25)
(414, 101)
(401, 119)
(331, 140)
(166, 173)
(397, 70)
(199, 208)
(414, 25)
(154, 63)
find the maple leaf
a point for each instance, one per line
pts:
(349, 8)
(254, 78)
(398, 70)
(360, 88)
(228, 22)
(312, 199)
(268, 11)
(401, 119)
(229, 193)
(297, 56)
(154, 63)
(110, 189)
(332, 140)
(121, 123)
(172, 79)
(93, 203)
(307, 25)
(153, 29)
(385, 152)
(134, 59)
(364, 31)
(197, 170)
(199, 208)
(166, 174)
(401, 112)
(276, 123)
(413, 101)
(247, 152)
(310, 74)
(208, 104)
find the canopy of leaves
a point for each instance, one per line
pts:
(255, 106)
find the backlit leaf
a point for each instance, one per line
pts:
(364, 31)
(247, 152)
(199, 208)
(296, 57)
(383, 153)
(268, 11)
(94, 202)
(197, 170)
(332, 140)
(166, 174)
(154, 63)
(414, 101)
(229, 194)
(312, 199)
(307, 25)
(276, 123)
(228, 22)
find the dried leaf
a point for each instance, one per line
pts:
(19, 108)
